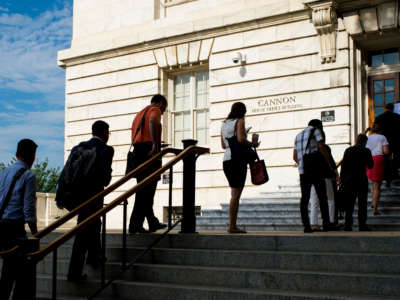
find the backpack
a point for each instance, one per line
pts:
(75, 176)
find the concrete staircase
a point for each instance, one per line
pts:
(280, 266)
(281, 211)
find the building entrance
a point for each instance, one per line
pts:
(383, 83)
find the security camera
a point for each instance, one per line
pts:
(239, 58)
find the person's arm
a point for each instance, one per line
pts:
(222, 143)
(324, 151)
(385, 149)
(30, 203)
(107, 158)
(295, 156)
(370, 160)
(241, 135)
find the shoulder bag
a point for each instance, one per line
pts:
(314, 163)
(258, 171)
(131, 159)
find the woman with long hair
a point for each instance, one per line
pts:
(379, 146)
(235, 170)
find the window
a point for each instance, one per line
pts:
(190, 110)
(384, 57)
(383, 89)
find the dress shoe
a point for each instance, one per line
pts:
(77, 278)
(156, 227)
(138, 230)
(308, 230)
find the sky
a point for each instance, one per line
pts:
(32, 86)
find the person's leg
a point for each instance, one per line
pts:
(79, 250)
(320, 188)
(362, 205)
(314, 203)
(8, 276)
(233, 210)
(350, 199)
(138, 212)
(330, 193)
(153, 222)
(94, 253)
(375, 193)
(305, 186)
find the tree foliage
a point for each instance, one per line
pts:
(46, 177)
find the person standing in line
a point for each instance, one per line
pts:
(308, 141)
(389, 122)
(379, 146)
(330, 183)
(355, 182)
(89, 241)
(235, 170)
(146, 141)
(18, 189)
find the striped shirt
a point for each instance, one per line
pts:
(300, 145)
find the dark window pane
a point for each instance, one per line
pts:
(376, 60)
(389, 85)
(378, 86)
(378, 111)
(389, 98)
(391, 58)
(378, 99)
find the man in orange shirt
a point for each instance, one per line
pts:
(147, 142)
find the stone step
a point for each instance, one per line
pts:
(363, 283)
(147, 290)
(342, 242)
(289, 227)
(283, 260)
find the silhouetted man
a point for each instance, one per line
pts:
(147, 142)
(355, 182)
(389, 122)
(88, 240)
(17, 207)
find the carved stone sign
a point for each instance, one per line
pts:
(276, 104)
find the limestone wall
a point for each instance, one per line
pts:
(282, 83)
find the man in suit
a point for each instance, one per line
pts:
(355, 182)
(146, 140)
(88, 240)
(18, 185)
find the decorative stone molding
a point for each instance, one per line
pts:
(184, 54)
(325, 21)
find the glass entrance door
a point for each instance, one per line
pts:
(383, 89)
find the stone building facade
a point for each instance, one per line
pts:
(289, 61)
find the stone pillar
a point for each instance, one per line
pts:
(325, 21)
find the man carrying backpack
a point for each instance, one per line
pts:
(86, 173)
(17, 207)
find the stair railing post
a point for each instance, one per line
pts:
(171, 174)
(189, 189)
(124, 228)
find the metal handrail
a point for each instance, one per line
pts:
(135, 260)
(105, 192)
(41, 253)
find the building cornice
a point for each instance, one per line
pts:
(182, 33)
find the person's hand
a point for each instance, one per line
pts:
(255, 144)
(338, 180)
